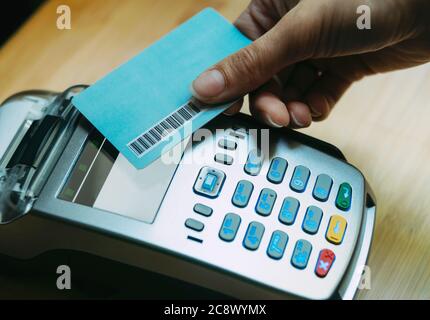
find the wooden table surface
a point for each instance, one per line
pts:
(382, 124)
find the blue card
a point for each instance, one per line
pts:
(144, 107)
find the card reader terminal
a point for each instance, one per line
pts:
(243, 210)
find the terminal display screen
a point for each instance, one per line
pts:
(102, 178)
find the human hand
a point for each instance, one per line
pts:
(307, 53)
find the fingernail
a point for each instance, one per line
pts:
(209, 84)
(268, 119)
(296, 121)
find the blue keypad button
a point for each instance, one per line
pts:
(289, 210)
(242, 194)
(194, 225)
(254, 163)
(301, 254)
(300, 179)
(209, 182)
(277, 170)
(277, 245)
(312, 220)
(322, 187)
(265, 202)
(253, 235)
(229, 227)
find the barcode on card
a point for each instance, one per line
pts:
(164, 128)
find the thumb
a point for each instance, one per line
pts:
(254, 65)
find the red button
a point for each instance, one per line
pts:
(324, 263)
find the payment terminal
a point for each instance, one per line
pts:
(240, 209)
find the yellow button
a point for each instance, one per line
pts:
(336, 229)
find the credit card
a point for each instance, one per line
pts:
(145, 107)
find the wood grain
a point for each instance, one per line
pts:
(382, 123)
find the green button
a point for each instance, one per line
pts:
(344, 197)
